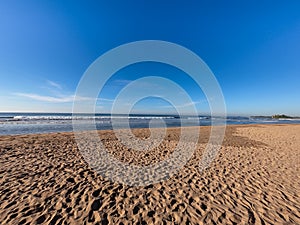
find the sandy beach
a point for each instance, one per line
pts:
(255, 179)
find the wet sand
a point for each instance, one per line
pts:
(255, 179)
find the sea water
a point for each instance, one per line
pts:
(30, 123)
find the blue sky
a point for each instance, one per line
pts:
(253, 48)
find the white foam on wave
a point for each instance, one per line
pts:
(55, 117)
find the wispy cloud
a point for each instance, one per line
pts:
(58, 95)
(193, 103)
(137, 84)
(60, 99)
(54, 84)
(45, 98)
(105, 99)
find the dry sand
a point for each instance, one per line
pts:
(255, 179)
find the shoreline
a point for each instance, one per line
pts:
(172, 127)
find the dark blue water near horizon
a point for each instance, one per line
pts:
(32, 123)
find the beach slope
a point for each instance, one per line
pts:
(255, 179)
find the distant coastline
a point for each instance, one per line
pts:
(276, 116)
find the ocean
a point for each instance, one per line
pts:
(32, 123)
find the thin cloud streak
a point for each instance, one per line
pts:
(184, 105)
(54, 84)
(61, 99)
(44, 98)
(57, 96)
